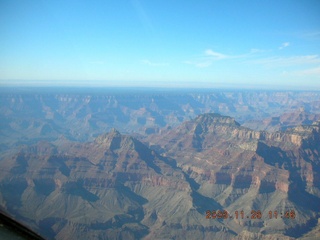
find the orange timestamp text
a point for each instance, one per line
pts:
(254, 214)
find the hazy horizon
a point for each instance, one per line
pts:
(152, 85)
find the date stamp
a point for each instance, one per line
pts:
(254, 214)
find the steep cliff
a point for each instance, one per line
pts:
(250, 170)
(114, 187)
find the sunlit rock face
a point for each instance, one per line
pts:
(114, 185)
(88, 180)
(242, 168)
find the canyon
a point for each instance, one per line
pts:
(157, 164)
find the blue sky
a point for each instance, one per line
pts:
(161, 43)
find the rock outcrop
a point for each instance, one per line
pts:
(120, 187)
(245, 169)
